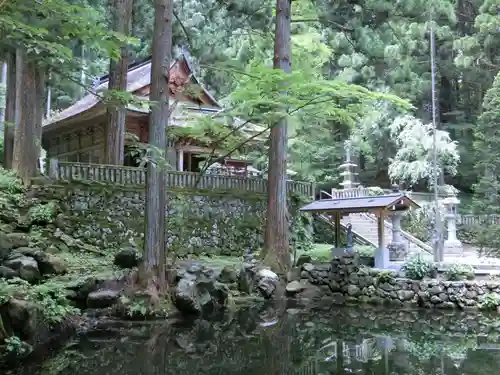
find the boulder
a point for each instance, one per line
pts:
(80, 289)
(267, 282)
(18, 240)
(9, 214)
(265, 273)
(295, 287)
(303, 259)
(49, 264)
(25, 317)
(266, 287)
(200, 295)
(26, 267)
(186, 298)
(228, 275)
(127, 258)
(26, 251)
(7, 273)
(102, 298)
(6, 246)
(247, 277)
(253, 278)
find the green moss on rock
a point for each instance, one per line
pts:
(198, 221)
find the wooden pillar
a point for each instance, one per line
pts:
(180, 160)
(382, 253)
(53, 171)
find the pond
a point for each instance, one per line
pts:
(279, 341)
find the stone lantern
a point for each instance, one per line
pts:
(398, 250)
(452, 245)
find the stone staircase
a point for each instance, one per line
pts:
(365, 225)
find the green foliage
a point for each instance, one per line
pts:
(137, 308)
(301, 226)
(489, 301)
(10, 183)
(57, 23)
(301, 235)
(50, 297)
(43, 213)
(324, 233)
(457, 272)
(377, 46)
(15, 345)
(419, 222)
(365, 251)
(134, 308)
(468, 234)
(375, 191)
(416, 268)
(486, 201)
(413, 161)
(384, 277)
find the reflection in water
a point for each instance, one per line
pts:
(268, 343)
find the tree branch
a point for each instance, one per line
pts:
(336, 24)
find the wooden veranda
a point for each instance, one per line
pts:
(381, 206)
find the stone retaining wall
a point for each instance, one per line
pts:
(344, 282)
(198, 221)
(441, 323)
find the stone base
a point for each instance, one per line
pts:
(453, 248)
(397, 252)
(382, 258)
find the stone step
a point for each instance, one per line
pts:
(369, 230)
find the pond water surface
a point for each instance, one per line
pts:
(270, 341)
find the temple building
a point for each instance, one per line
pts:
(77, 134)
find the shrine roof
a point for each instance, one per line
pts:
(393, 202)
(138, 77)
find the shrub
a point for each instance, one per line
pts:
(459, 272)
(50, 296)
(420, 223)
(417, 268)
(9, 182)
(365, 251)
(385, 277)
(468, 233)
(489, 301)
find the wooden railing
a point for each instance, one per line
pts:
(120, 175)
(468, 220)
(362, 191)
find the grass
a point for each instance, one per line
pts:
(83, 264)
(320, 252)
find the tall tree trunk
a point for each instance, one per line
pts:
(29, 106)
(40, 75)
(152, 272)
(115, 129)
(276, 243)
(3, 82)
(10, 110)
(17, 152)
(48, 105)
